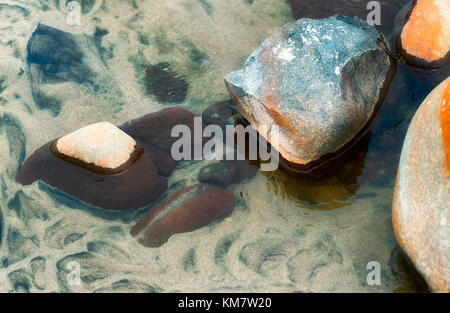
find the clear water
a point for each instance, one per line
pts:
(285, 234)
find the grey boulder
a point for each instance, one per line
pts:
(319, 80)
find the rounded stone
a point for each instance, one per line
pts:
(100, 145)
(186, 210)
(98, 164)
(421, 204)
(320, 81)
(425, 38)
(135, 187)
(221, 113)
(217, 173)
(153, 132)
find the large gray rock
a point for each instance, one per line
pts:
(319, 80)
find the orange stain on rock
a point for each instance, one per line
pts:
(421, 34)
(445, 123)
(271, 104)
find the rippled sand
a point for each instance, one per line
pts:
(285, 234)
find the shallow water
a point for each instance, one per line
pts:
(286, 234)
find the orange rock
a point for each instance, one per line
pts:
(425, 38)
(421, 204)
(445, 123)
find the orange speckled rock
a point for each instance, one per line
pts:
(425, 38)
(421, 205)
(319, 80)
(445, 123)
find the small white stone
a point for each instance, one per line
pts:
(102, 144)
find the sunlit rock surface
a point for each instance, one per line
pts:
(319, 80)
(102, 145)
(424, 40)
(421, 207)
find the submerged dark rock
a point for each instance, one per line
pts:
(55, 55)
(154, 129)
(79, 61)
(217, 173)
(110, 167)
(153, 132)
(186, 210)
(96, 172)
(320, 81)
(221, 113)
(165, 84)
(244, 169)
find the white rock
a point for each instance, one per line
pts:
(102, 144)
